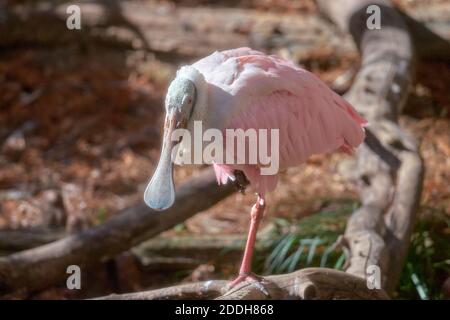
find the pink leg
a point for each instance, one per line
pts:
(256, 216)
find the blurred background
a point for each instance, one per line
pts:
(81, 115)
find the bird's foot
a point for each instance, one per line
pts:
(240, 181)
(251, 278)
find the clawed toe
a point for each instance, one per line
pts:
(252, 278)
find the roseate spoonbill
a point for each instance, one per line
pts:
(244, 88)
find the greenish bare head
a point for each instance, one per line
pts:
(181, 97)
(179, 104)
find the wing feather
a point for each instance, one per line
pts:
(266, 92)
(301, 135)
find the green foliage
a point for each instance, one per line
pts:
(179, 228)
(311, 244)
(428, 261)
(101, 214)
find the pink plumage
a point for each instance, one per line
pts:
(254, 90)
(246, 89)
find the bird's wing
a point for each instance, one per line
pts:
(266, 92)
(235, 70)
(270, 92)
(234, 76)
(314, 123)
(214, 60)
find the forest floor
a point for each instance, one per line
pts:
(80, 131)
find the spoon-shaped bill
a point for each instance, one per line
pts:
(160, 192)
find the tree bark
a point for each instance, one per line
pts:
(173, 32)
(16, 240)
(38, 268)
(388, 168)
(311, 283)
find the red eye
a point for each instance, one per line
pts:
(190, 100)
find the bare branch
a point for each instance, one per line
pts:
(46, 265)
(312, 283)
(388, 168)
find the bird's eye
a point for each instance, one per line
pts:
(189, 100)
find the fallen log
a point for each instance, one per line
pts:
(41, 267)
(134, 24)
(310, 283)
(189, 251)
(16, 240)
(388, 169)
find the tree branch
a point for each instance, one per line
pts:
(220, 29)
(311, 283)
(388, 168)
(38, 268)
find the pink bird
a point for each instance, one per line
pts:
(243, 88)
